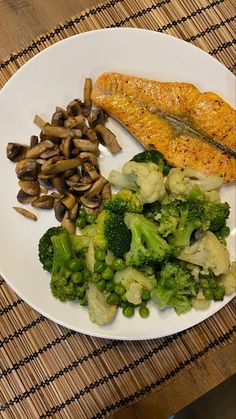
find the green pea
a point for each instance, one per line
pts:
(80, 291)
(81, 222)
(119, 289)
(101, 285)
(145, 294)
(96, 277)
(219, 293)
(87, 274)
(83, 301)
(76, 265)
(91, 219)
(82, 212)
(100, 255)
(144, 311)
(66, 273)
(108, 273)
(99, 266)
(128, 311)
(77, 277)
(113, 299)
(208, 293)
(169, 283)
(110, 286)
(213, 283)
(118, 264)
(224, 231)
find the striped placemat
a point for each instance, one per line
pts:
(49, 371)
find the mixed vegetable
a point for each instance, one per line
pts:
(160, 238)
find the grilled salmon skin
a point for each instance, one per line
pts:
(190, 128)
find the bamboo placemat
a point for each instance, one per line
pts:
(49, 371)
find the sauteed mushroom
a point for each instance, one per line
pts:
(16, 152)
(27, 169)
(63, 159)
(31, 187)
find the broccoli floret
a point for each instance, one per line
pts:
(191, 218)
(63, 284)
(152, 211)
(169, 217)
(124, 201)
(175, 288)
(45, 248)
(79, 242)
(147, 246)
(215, 212)
(152, 156)
(112, 233)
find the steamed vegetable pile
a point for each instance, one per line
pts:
(161, 238)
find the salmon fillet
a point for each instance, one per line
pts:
(147, 109)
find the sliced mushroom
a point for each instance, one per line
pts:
(74, 178)
(91, 170)
(73, 108)
(73, 212)
(59, 117)
(106, 191)
(39, 148)
(98, 116)
(59, 184)
(55, 165)
(60, 132)
(57, 195)
(25, 213)
(86, 156)
(75, 122)
(24, 198)
(108, 138)
(46, 182)
(68, 224)
(16, 152)
(27, 169)
(68, 173)
(91, 201)
(69, 200)
(65, 147)
(31, 187)
(44, 202)
(97, 187)
(87, 105)
(90, 134)
(39, 121)
(33, 140)
(50, 153)
(59, 210)
(80, 187)
(86, 145)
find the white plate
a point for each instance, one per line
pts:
(54, 77)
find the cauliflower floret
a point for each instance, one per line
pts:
(228, 280)
(179, 182)
(148, 178)
(99, 311)
(134, 281)
(209, 253)
(200, 302)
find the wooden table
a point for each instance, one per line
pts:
(20, 21)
